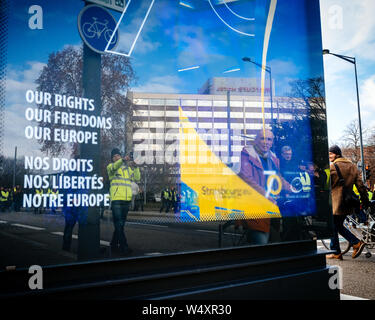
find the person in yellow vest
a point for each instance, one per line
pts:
(370, 194)
(3, 199)
(164, 200)
(121, 172)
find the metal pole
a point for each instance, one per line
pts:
(14, 167)
(360, 124)
(145, 186)
(353, 61)
(89, 230)
(229, 131)
(271, 93)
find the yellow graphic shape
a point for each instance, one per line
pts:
(222, 195)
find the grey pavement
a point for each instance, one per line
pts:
(40, 236)
(358, 275)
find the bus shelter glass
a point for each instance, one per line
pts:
(215, 107)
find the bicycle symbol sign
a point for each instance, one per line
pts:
(96, 27)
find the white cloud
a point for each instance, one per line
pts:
(367, 96)
(142, 46)
(18, 82)
(353, 36)
(162, 84)
(283, 67)
(357, 32)
(129, 28)
(14, 133)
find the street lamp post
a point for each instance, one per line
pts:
(267, 69)
(352, 60)
(145, 185)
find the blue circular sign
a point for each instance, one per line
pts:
(96, 27)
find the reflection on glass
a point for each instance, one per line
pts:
(176, 96)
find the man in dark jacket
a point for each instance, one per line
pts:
(340, 210)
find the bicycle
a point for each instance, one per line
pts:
(234, 233)
(96, 28)
(364, 231)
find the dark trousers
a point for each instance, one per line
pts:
(120, 211)
(138, 205)
(68, 233)
(176, 206)
(339, 228)
(17, 205)
(72, 215)
(164, 205)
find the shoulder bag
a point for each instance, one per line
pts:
(350, 199)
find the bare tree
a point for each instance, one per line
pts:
(370, 141)
(352, 141)
(6, 176)
(63, 75)
(309, 127)
(309, 96)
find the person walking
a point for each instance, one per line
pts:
(341, 166)
(121, 172)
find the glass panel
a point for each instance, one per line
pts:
(112, 118)
(172, 102)
(141, 101)
(205, 103)
(156, 102)
(188, 102)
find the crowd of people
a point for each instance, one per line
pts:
(170, 199)
(11, 198)
(302, 184)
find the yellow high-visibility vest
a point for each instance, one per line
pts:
(328, 175)
(4, 196)
(121, 176)
(355, 190)
(306, 181)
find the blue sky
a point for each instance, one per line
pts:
(161, 50)
(187, 34)
(348, 28)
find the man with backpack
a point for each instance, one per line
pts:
(344, 174)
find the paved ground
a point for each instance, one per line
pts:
(358, 274)
(39, 237)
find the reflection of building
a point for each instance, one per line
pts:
(236, 86)
(156, 119)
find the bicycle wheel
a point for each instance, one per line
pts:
(344, 245)
(108, 35)
(238, 236)
(233, 235)
(88, 30)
